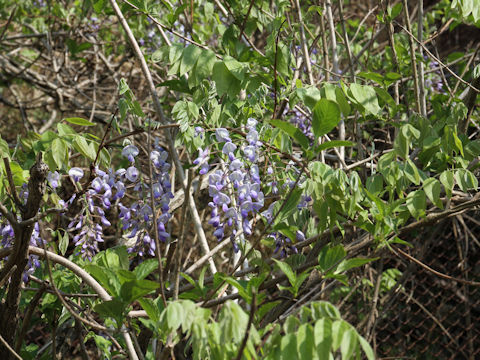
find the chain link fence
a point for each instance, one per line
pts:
(416, 312)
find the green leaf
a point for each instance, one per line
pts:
(349, 343)
(386, 97)
(375, 184)
(339, 328)
(466, 180)
(233, 322)
(366, 97)
(372, 76)
(174, 315)
(114, 258)
(63, 243)
(238, 285)
(153, 308)
(65, 130)
(99, 5)
(348, 264)
(106, 277)
(432, 189)
(290, 205)
(205, 64)
(236, 68)
(145, 268)
(332, 144)
(287, 270)
(293, 132)
(82, 146)
(395, 10)
(123, 87)
(446, 178)
(288, 347)
(416, 203)
(330, 257)
(323, 338)
(79, 121)
(342, 101)
(367, 349)
(59, 152)
(325, 116)
(133, 290)
(4, 150)
(309, 95)
(411, 172)
(225, 81)
(322, 309)
(113, 308)
(306, 342)
(458, 143)
(189, 58)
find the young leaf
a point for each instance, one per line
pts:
(326, 115)
(79, 121)
(416, 203)
(287, 270)
(190, 56)
(63, 243)
(225, 81)
(367, 97)
(59, 152)
(332, 144)
(346, 265)
(330, 257)
(145, 268)
(293, 132)
(432, 188)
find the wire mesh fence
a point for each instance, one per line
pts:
(417, 312)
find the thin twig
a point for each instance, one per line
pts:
(249, 325)
(5, 343)
(412, 57)
(303, 41)
(435, 272)
(333, 40)
(421, 66)
(181, 244)
(438, 60)
(7, 276)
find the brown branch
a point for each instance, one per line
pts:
(13, 189)
(244, 23)
(435, 272)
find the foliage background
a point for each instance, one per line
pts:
(367, 156)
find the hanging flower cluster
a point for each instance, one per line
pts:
(110, 187)
(138, 217)
(236, 187)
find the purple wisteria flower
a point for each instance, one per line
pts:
(236, 189)
(75, 173)
(138, 217)
(202, 160)
(130, 151)
(222, 135)
(53, 179)
(199, 131)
